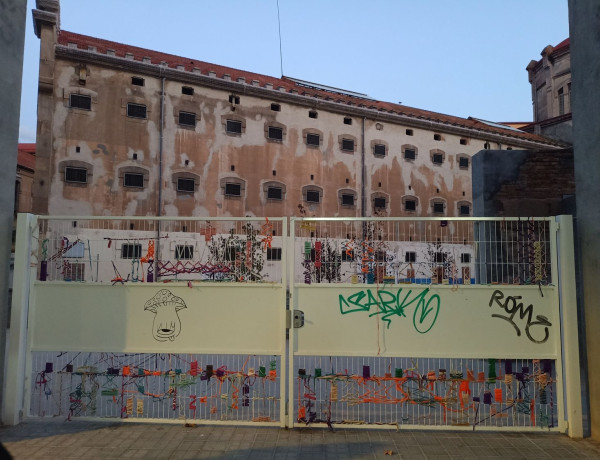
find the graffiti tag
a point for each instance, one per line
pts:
(512, 306)
(389, 304)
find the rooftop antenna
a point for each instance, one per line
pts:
(280, 52)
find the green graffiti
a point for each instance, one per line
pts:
(387, 305)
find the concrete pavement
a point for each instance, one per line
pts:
(107, 440)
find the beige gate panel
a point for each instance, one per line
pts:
(157, 317)
(428, 321)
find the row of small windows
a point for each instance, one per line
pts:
(233, 189)
(186, 252)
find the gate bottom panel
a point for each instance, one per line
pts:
(507, 393)
(216, 387)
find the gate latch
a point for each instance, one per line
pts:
(295, 319)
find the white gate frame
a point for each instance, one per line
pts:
(563, 279)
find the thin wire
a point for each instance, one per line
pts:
(280, 51)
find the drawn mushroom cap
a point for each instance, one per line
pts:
(164, 298)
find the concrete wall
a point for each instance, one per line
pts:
(584, 22)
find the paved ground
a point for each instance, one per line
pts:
(134, 440)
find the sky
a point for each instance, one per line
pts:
(458, 57)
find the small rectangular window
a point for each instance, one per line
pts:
(465, 210)
(313, 196)
(74, 272)
(437, 137)
(347, 121)
(379, 150)
(313, 139)
(275, 107)
(133, 180)
(348, 145)
(137, 81)
(187, 118)
(437, 158)
(184, 252)
(379, 203)
(185, 185)
(409, 132)
(79, 101)
(233, 189)
(78, 175)
(275, 193)
(347, 199)
(273, 253)
(465, 258)
(410, 257)
(379, 256)
(440, 257)
(187, 90)
(347, 257)
(275, 133)
(463, 142)
(136, 110)
(410, 154)
(233, 126)
(438, 208)
(463, 162)
(410, 205)
(234, 99)
(131, 251)
(313, 114)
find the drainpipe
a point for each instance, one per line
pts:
(363, 172)
(160, 170)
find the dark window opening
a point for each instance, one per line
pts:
(275, 133)
(465, 258)
(131, 251)
(348, 144)
(410, 154)
(313, 196)
(379, 150)
(233, 189)
(379, 203)
(313, 139)
(233, 126)
(276, 107)
(437, 158)
(187, 118)
(347, 121)
(463, 162)
(508, 148)
(379, 256)
(561, 102)
(437, 137)
(79, 101)
(136, 110)
(438, 208)
(347, 199)
(486, 146)
(137, 81)
(234, 99)
(410, 257)
(184, 252)
(463, 142)
(185, 185)
(187, 90)
(440, 257)
(273, 253)
(313, 114)
(410, 205)
(133, 180)
(76, 175)
(465, 210)
(275, 193)
(409, 132)
(347, 256)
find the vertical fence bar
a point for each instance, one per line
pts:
(17, 349)
(291, 270)
(564, 277)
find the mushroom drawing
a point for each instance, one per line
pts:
(165, 305)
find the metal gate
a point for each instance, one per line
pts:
(434, 323)
(393, 322)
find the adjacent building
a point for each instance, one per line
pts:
(124, 130)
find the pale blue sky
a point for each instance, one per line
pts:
(460, 57)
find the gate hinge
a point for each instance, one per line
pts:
(294, 318)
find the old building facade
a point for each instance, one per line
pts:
(128, 131)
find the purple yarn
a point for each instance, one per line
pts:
(508, 369)
(487, 398)
(366, 372)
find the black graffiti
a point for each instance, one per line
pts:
(512, 306)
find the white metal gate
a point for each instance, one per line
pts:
(429, 323)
